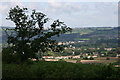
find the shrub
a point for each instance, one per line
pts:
(9, 58)
(62, 60)
(81, 56)
(107, 58)
(69, 57)
(29, 62)
(91, 58)
(85, 58)
(57, 70)
(78, 61)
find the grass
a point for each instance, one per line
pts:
(60, 69)
(82, 31)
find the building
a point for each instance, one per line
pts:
(108, 49)
(118, 55)
(77, 56)
(48, 57)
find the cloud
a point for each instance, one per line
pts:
(66, 8)
(54, 3)
(4, 9)
(5, 6)
(75, 14)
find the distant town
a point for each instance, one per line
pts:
(106, 53)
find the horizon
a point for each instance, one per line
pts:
(75, 27)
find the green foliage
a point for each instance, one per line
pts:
(85, 58)
(107, 58)
(29, 35)
(67, 52)
(62, 60)
(82, 31)
(78, 61)
(60, 70)
(91, 58)
(81, 56)
(8, 57)
(69, 57)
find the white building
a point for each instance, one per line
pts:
(48, 57)
(77, 56)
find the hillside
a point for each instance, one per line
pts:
(89, 33)
(94, 36)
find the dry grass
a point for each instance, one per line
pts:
(98, 61)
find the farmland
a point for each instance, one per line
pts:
(95, 61)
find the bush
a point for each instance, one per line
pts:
(81, 56)
(62, 60)
(70, 58)
(9, 58)
(91, 58)
(114, 55)
(107, 58)
(78, 61)
(85, 58)
(56, 70)
(29, 62)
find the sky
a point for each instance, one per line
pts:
(73, 13)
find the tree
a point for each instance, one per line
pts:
(30, 36)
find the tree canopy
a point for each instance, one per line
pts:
(30, 35)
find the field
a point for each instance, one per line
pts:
(96, 60)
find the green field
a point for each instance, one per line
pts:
(82, 39)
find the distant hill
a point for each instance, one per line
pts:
(89, 33)
(93, 36)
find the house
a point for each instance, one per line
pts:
(92, 48)
(65, 48)
(108, 49)
(85, 54)
(94, 56)
(60, 43)
(102, 54)
(72, 42)
(88, 56)
(58, 57)
(62, 57)
(77, 56)
(65, 57)
(118, 55)
(48, 57)
(98, 48)
(34, 59)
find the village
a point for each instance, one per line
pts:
(73, 56)
(84, 55)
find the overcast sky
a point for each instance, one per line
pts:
(74, 14)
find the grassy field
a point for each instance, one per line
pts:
(96, 60)
(60, 70)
